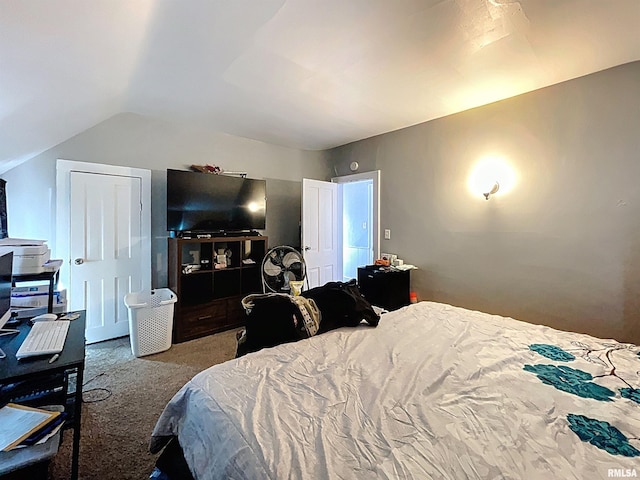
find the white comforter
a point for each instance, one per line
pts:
(434, 391)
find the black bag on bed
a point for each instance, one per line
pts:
(276, 318)
(341, 305)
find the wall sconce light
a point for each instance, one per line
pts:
(494, 189)
(490, 175)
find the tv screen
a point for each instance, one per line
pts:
(204, 202)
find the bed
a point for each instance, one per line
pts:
(434, 391)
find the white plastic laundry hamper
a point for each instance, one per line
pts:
(150, 320)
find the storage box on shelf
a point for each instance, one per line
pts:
(210, 276)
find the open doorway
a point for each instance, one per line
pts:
(358, 202)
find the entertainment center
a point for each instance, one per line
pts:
(215, 253)
(210, 285)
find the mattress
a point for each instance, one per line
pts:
(435, 391)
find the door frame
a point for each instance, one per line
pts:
(63, 209)
(374, 176)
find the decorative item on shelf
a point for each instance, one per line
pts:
(390, 257)
(221, 261)
(207, 169)
(216, 170)
(190, 268)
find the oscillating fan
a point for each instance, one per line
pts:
(282, 265)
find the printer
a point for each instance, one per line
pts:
(29, 256)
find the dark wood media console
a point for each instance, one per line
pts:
(210, 276)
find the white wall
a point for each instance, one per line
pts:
(133, 140)
(563, 247)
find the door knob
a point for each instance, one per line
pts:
(307, 248)
(79, 261)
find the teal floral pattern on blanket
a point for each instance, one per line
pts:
(599, 433)
(630, 393)
(602, 435)
(571, 380)
(552, 352)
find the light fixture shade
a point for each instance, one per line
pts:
(489, 175)
(494, 189)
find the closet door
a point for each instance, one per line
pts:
(108, 245)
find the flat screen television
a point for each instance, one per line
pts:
(204, 202)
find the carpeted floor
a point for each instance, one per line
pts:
(123, 397)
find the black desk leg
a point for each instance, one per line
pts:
(75, 455)
(50, 305)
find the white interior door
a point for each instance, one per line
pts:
(320, 231)
(108, 244)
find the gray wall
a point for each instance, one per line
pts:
(135, 141)
(563, 247)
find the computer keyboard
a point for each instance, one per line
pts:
(45, 338)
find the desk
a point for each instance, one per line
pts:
(37, 382)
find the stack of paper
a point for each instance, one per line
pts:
(20, 423)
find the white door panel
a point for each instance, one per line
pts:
(107, 214)
(319, 231)
(105, 249)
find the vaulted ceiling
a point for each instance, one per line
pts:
(310, 74)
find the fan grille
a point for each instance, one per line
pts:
(280, 266)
